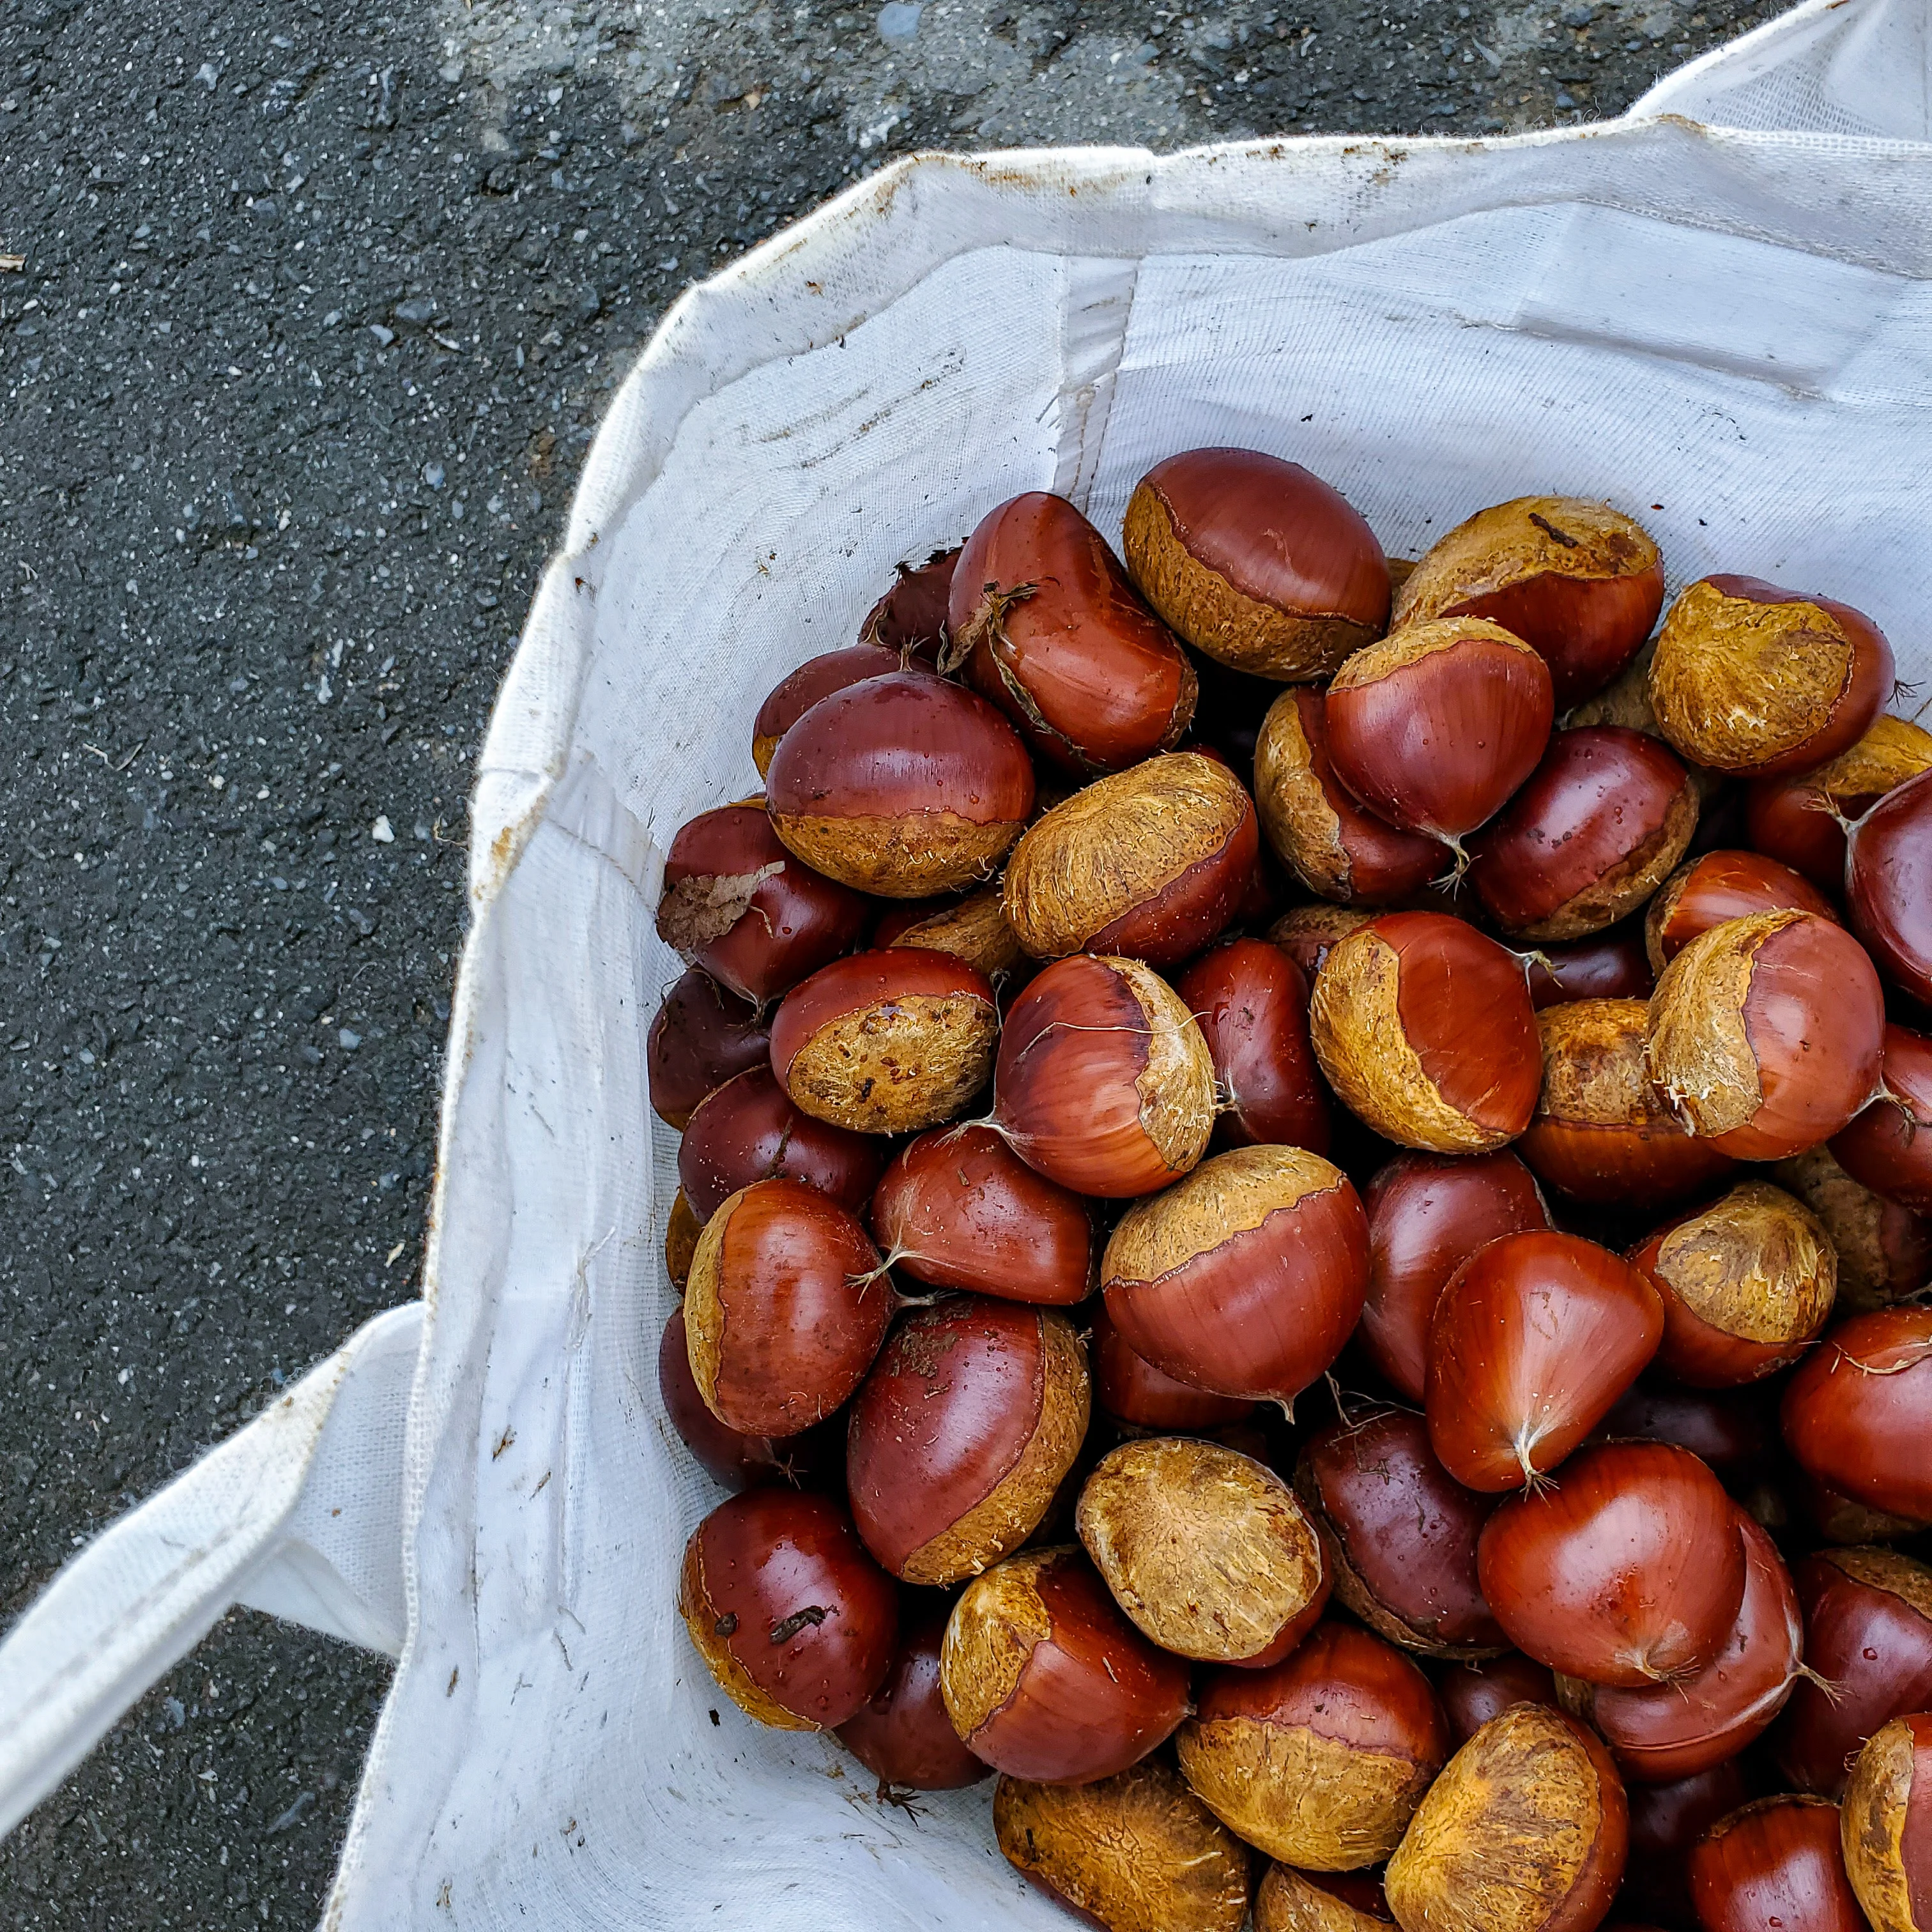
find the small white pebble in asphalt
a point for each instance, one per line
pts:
(348, 1041)
(899, 21)
(383, 831)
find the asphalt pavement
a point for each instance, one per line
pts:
(315, 311)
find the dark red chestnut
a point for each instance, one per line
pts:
(1858, 1415)
(910, 619)
(1838, 1520)
(1534, 1337)
(904, 786)
(1133, 1391)
(793, 1619)
(1718, 886)
(739, 1462)
(1610, 965)
(1888, 885)
(1885, 1828)
(1888, 1148)
(1427, 1214)
(795, 693)
(1257, 562)
(1308, 933)
(1250, 1001)
(1728, 1429)
(1050, 629)
(1773, 1863)
(1761, 682)
(748, 1130)
(1794, 820)
(1665, 1820)
(737, 904)
(901, 1733)
(1595, 829)
(702, 1037)
(1473, 1692)
(1631, 1571)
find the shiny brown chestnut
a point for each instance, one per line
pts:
(901, 1733)
(1888, 1148)
(1609, 965)
(1308, 933)
(1772, 1863)
(1250, 1001)
(1888, 885)
(739, 1462)
(1246, 1277)
(958, 1208)
(681, 1229)
(1400, 1534)
(1525, 1831)
(887, 1043)
(1328, 840)
(973, 928)
(1103, 1081)
(1256, 562)
(962, 1433)
(1149, 863)
(749, 1130)
(1471, 1693)
(1718, 886)
(1427, 1214)
(796, 693)
(1134, 1852)
(1534, 1338)
(793, 1619)
(909, 618)
(702, 1036)
(1630, 1572)
(1884, 1251)
(1321, 1760)
(786, 1307)
(1287, 1901)
(1050, 629)
(1131, 1390)
(904, 785)
(1595, 828)
(1766, 1033)
(1760, 682)
(1857, 1414)
(1579, 582)
(738, 904)
(1424, 1029)
(1665, 1820)
(1601, 1133)
(1206, 1550)
(1434, 727)
(1747, 1282)
(1796, 819)
(1044, 1679)
(1885, 1825)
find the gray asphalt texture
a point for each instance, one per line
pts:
(319, 310)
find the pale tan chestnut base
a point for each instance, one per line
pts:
(898, 1066)
(1287, 1902)
(1700, 1054)
(1757, 1265)
(994, 1626)
(911, 857)
(733, 1678)
(975, 930)
(1299, 822)
(1871, 1824)
(1854, 1217)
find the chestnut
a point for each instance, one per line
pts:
(1888, 885)
(1308, 933)
(1328, 840)
(1424, 1029)
(1774, 1862)
(1103, 1082)
(738, 904)
(1149, 863)
(904, 785)
(909, 618)
(1050, 629)
(1205, 1549)
(1601, 1133)
(797, 692)
(784, 1309)
(1400, 1533)
(1665, 1820)
(958, 1208)
(1857, 1414)
(1434, 728)
(1838, 1520)
(1868, 1636)
(1728, 1429)
(1288, 1900)
(1320, 1760)
(1473, 1692)
(701, 1037)
(1629, 1573)
(1796, 819)
(1579, 582)
(1761, 682)
(1699, 1720)
(1884, 1251)
(1044, 1679)
(962, 1433)
(1250, 1001)
(748, 1130)
(1246, 1277)
(973, 928)
(1534, 1338)
(681, 1229)
(738, 1462)
(1256, 563)
(1596, 828)
(1747, 1282)
(1766, 1033)
(1608, 965)
(1131, 1390)
(1427, 1214)
(1134, 1852)
(1718, 886)
(1525, 1831)
(1885, 1825)
(887, 1043)
(793, 1618)
(1888, 1148)
(901, 1733)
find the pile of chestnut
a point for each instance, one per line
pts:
(1302, 1227)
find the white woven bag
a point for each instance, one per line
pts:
(1722, 324)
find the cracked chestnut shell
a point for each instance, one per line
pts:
(1885, 1825)
(1774, 1862)
(1718, 886)
(1888, 1148)
(1858, 1414)
(1250, 1001)
(796, 693)
(748, 1130)
(901, 1733)
(1792, 819)
(702, 1036)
